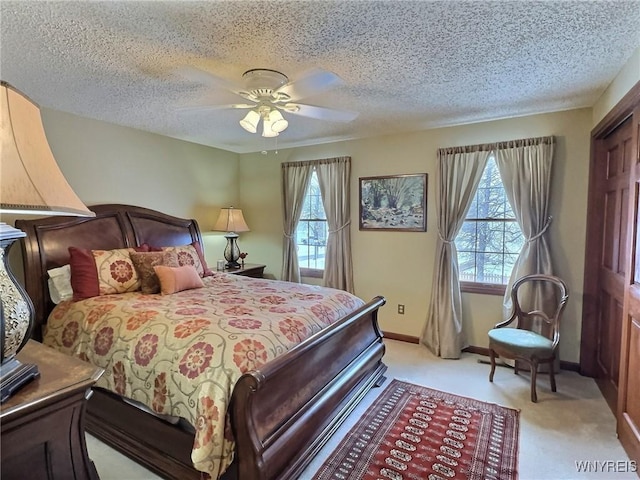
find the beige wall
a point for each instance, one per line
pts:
(106, 163)
(400, 265)
(628, 76)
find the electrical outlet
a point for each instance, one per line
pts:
(401, 309)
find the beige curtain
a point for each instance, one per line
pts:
(458, 173)
(525, 169)
(295, 180)
(334, 178)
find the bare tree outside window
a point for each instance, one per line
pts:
(311, 233)
(490, 239)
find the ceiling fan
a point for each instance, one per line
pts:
(270, 92)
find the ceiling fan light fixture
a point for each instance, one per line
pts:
(278, 123)
(270, 95)
(250, 121)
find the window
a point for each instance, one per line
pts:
(490, 239)
(311, 234)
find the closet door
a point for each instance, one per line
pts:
(616, 164)
(608, 256)
(610, 343)
(629, 383)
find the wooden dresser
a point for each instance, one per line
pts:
(42, 424)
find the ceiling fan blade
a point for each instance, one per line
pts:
(197, 75)
(321, 113)
(317, 81)
(198, 108)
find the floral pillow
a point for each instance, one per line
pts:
(144, 263)
(191, 255)
(102, 272)
(116, 273)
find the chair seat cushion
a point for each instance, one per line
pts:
(521, 342)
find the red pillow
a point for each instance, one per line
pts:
(207, 270)
(84, 274)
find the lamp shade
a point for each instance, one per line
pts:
(267, 130)
(278, 123)
(250, 121)
(30, 180)
(231, 220)
(30, 183)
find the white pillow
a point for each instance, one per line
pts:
(60, 284)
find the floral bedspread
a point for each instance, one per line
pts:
(182, 354)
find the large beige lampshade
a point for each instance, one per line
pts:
(231, 220)
(30, 183)
(30, 180)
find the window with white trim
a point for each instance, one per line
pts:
(312, 232)
(490, 239)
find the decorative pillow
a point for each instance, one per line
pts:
(144, 263)
(84, 274)
(177, 279)
(116, 273)
(60, 284)
(191, 255)
(102, 272)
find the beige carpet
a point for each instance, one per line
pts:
(572, 425)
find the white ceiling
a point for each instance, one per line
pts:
(406, 65)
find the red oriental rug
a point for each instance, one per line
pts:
(412, 432)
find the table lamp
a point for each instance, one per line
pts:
(31, 183)
(231, 221)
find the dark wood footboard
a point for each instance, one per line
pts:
(285, 412)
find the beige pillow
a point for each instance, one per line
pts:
(177, 279)
(116, 273)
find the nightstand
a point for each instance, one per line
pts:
(248, 270)
(42, 424)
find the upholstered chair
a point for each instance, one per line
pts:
(522, 343)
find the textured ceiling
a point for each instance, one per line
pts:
(406, 65)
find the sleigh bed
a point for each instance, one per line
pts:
(280, 413)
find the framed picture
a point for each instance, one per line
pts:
(394, 202)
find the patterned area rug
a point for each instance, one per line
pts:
(412, 432)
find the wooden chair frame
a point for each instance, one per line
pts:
(521, 317)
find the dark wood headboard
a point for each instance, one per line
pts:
(114, 226)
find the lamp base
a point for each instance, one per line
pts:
(232, 251)
(13, 375)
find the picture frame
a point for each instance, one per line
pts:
(394, 203)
